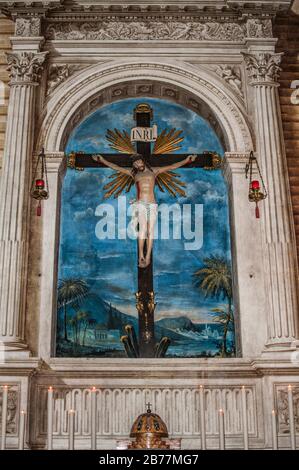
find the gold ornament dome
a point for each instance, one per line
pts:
(148, 430)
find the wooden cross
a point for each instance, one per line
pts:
(146, 345)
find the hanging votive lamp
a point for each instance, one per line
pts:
(40, 187)
(257, 190)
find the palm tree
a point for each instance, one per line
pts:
(71, 292)
(83, 320)
(226, 318)
(214, 279)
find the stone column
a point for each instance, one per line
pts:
(25, 69)
(280, 260)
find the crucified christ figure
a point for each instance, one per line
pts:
(145, 177)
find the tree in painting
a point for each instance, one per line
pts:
(71, 292)
(214, 280)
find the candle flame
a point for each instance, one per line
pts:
(289, 387)
(221, 411)
(273, 412)
(5, 386)
(50, 389)
(93, 389)
(23, 412)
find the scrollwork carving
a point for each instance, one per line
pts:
(12, 406)
(150, 30)
(283, 409)
(25, 67)
(27, 27)
(259, 28)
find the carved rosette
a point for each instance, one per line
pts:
(263, 68)
(25, 67)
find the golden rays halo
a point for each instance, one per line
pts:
(167, 141)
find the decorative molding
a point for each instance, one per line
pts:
(117, 408)
(129, 72)
(25, 67)
(58, 73)
(144, 29)
(232, 76)
(27, 27)
(263, 67)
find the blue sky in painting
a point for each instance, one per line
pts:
(110, 266)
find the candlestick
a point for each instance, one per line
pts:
(202, 418)
(50, 419)
(71, 429)
(221, 430)
(244, 418)
(291, 418)
(22, 429)
(274, 431)
(4, 416)
(93, 416)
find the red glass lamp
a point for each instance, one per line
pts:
(255, 194)
(39, 187)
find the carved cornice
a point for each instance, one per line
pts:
(24, 8)
(263, 67)
(25, 67)
(166, 29)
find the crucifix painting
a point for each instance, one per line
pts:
(182, 286)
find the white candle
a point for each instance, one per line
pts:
(93, 416)
(221, 430)
(4, 416)
(244, 418)
(274, 431)
(71, 429)
(50, 419)
(202, 417)
(291, 418)
(22, 429)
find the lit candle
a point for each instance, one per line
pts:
(22, 429)
(291, 418)
(274, 431)
(71, 429)
(202, 417)
(244, 418)
(93, 411)
(50, 418)
(4, 416)
(221, 430)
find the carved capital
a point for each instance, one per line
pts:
(25, 67)
(263, 67)
(28, 26)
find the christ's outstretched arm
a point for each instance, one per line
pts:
(99, 158)
(162, 169)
